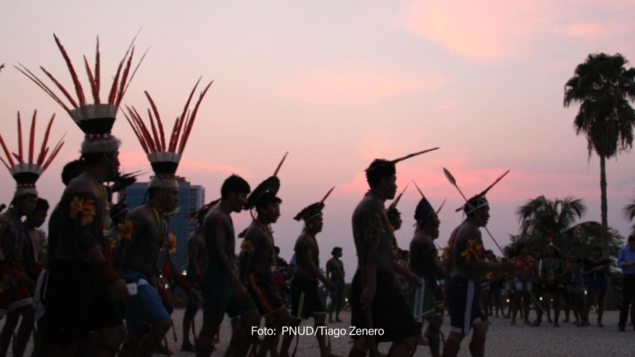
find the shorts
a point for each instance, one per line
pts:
(575, 288)
(464, 298)
(523, 284)
(16, 298)
(389, 311)
(218, 296)
(77, 302)
(305, 299)
(599, 284)
(264, 294)
(145, 308)
(424, 300)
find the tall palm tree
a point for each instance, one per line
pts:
(603, 86)
(545, 218)
(629, 212)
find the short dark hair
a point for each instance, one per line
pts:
(41, 205)
(234, 183)
(93, 159)
(631, 237)
(378, 170)
(276, 249)
(71, 170)
(265, 199)
(21, 198)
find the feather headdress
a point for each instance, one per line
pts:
(27, 167)
(165, 155)
(95, 120)
(268, 187)
(313, 210)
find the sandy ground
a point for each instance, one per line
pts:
(503, 339)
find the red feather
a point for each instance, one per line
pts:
(43, 86)
(189, 129)
(135, 71)
(6, 151)
(59, 85)
(157, 141)
(69, 64)
(187, 105)
(91, 79)
(97, 72)
(40, 158)
(32, 137)
(124, 78)
(5, 164)
(53, 155)
(115, 82)
(136, 132)
(20, 149)
(158, 117)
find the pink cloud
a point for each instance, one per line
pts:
(479, 30)
(496, 29)
(356, 84)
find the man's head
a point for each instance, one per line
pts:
(427, 219)
(337, 252)
(477, 208)
(596, 252)
(164, 199)
(234, 193)
(38, 217)
(537, 253)
(276, 251)
(631, 241)
(381, 176)
(315, 224)
(107, 163)
(71, 170)
(268, 207)
(24, 204)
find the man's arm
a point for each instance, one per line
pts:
(3, 240)
(304, 251)
(476, 262)
(214, 228)
(128, 231)
(328, 269)
(247, 249)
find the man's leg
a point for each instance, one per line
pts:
(25, 330)
(275, 320)
(111, 339)
(11, 321)
(320, 320)
(477, 345)
(627, 293)
(238, 345)
(452, 344)
(132, 342)
(600, 302)
(205, 344)
(526, 300)
(434, 336)
(287, 339)
(338, 303)
(515, 303)
(188, 317)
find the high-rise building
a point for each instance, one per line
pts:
(191, 197)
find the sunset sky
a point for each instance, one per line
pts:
(337, 84)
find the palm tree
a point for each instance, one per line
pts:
(629, 212)
(544, 218)
(603, 86)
